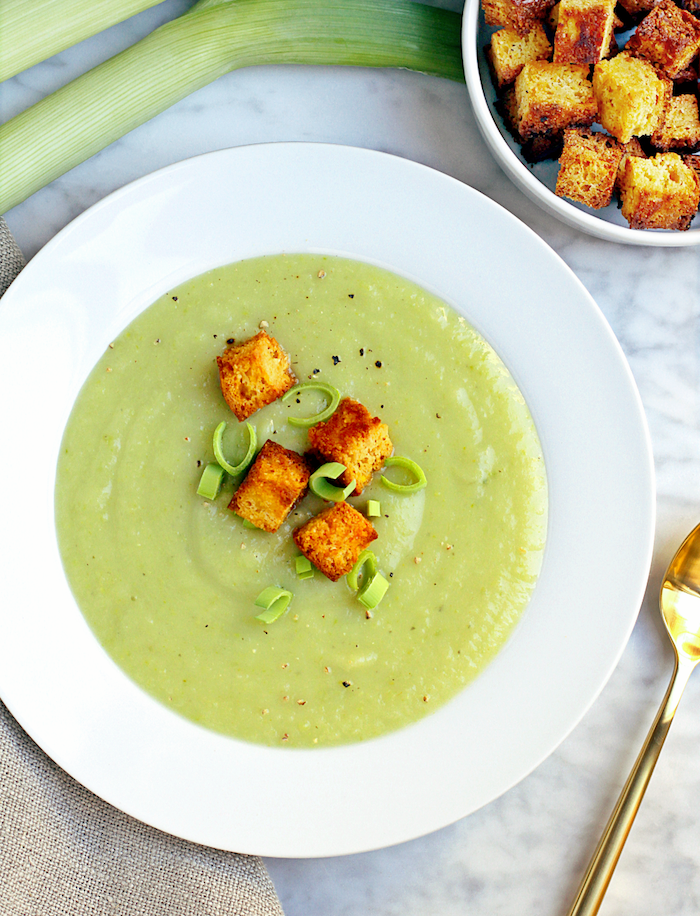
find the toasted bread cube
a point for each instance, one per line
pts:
(636, 9)
(617, 23)
(553, 17)
(551, 97)
(632, 98)
(588, 167)
(659, 193)
(694, 163)
(584, 31)
(508, 110)
(253, 374)
(353, 437)
(668, 37)
(538, 146)
(334, 539)
(273, 486)
(632, 148)
(687, 80)
(518, 15)
(509, 52)
(681, 126)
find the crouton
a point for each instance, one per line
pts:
(680, 129)
(588, 167)
(632, 148)
(694, 163)
(518, 15)
(353, 437)
(509, 52)
(584, 31)
(334, 539)
(273, 486)
(668, 37)
(253, 374)
(659, 193)
(632, 99)
(551, 97)
(636, 9)
(687, 80)
(538, 146)
(553, 17)
(553, 21)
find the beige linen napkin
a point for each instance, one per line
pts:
(65, 852)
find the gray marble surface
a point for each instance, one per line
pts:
(523, 853)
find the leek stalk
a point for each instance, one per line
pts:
(33, 30)
(213, 38)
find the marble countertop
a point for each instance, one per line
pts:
(525, 852)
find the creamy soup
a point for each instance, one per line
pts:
(167, 580)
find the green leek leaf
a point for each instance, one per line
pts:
(211, 39)
(34, 30)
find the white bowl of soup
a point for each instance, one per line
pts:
(137, 661)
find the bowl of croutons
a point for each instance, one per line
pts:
(591, 108)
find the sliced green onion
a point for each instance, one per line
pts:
(212, 38)
(372, 594)
(275, 600)
(36, 30)
(368, 559)
(374, 585)
(320, 484)
(374, 509)
(398, 462)
(248, 524)
(210, 481)
(304, 568)
(330, 408)
(234, 470)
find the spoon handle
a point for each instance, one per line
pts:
(602, 865)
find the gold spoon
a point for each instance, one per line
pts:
(680, 609)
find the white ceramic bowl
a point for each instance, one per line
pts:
(538, 181)
(112, 262)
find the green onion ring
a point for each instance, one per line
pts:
(367, 558)
(275, 600)
(303, 567)
(371, 594)
(334, 400)
(416, 470)
(211, 480)
(321, 485)
(234, 470)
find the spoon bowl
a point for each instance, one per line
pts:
(680, 598)
(679, 601)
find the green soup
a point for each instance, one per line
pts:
(167, 580)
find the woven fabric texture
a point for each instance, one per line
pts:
(11, 258)
(63, 851)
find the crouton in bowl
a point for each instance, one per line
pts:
(544, 97)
